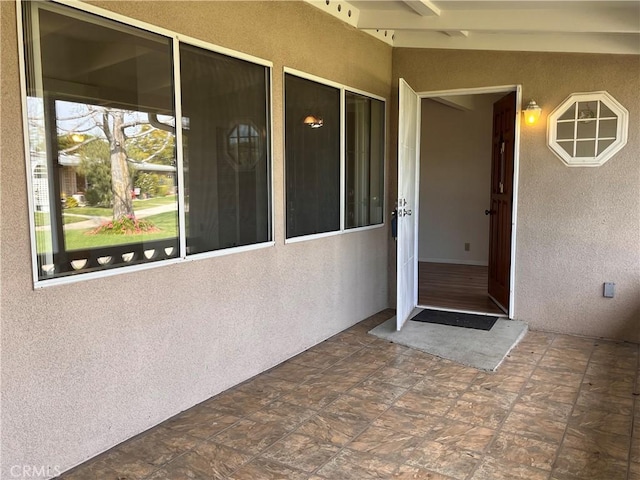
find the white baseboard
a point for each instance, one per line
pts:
(455, 261)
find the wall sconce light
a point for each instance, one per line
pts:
(313, 122)
(532, 113)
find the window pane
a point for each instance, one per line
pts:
(312, 151)
(364, 160)
(603, 145)
(102, 150)
(587, 110)
(567, 146)
(605, 111)
(226, 150)
(586, 148)
(569, 113)
(608, 128)
(566, 130)
(587, 128)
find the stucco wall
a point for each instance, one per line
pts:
(455, 181)
(577, 227)
(87, 365)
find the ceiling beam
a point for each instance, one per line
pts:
(423, 7)
(576, 42)
(349, 14)
(611, 20)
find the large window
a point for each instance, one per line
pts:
(106, 162)
(334, 162)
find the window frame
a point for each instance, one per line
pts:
(622, 127)
(384, 160)
(175, 39)
(342, 89)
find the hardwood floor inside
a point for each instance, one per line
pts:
(461, 287)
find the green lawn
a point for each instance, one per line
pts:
(167, 223)
(154, 202)
(43, 241)
(42, 219)
(108, 212)
(90, 211)
(79, 239)
(72, 218)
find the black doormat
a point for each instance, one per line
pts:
(454, 319)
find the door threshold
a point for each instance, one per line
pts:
(459, 310)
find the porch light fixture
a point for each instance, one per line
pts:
(532, 113)
(313, 121)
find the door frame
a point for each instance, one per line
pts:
(516, 169)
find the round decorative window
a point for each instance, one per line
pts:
(243, 146)
(587, 129)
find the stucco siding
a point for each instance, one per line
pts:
(90, 364)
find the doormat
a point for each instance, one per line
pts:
(456, 319)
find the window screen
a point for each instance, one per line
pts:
(364, 157)
(312, 157)
(226, 151)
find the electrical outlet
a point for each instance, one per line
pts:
(467, 247)
(609, 290)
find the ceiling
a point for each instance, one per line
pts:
(608, 26)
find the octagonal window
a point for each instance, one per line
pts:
(243, 145)
(587, 129)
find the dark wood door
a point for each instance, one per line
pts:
(504, 126)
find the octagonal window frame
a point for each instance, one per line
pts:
(595, 115)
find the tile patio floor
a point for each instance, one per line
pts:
(355, 407)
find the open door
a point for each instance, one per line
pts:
(504, 128)
(408, 164)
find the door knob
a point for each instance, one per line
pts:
(489, 212)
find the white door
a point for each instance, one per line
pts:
(408, 164)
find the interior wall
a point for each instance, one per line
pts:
(90, 364)
(576, 227)
(455, 176)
